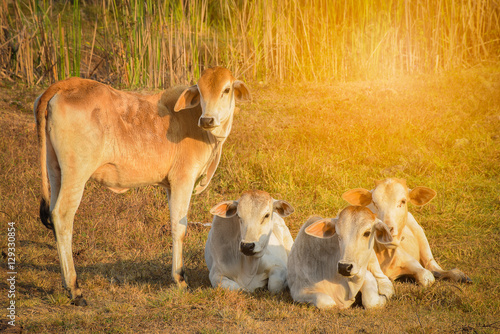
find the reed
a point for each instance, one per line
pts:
(157, 44)
(77, 39)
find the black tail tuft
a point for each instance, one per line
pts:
(45, 215)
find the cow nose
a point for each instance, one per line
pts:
(207, 122)
(345, 269)
(394, 232)
(247, 248)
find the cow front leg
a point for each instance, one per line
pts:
(314, 296)
(277, 279)
(425, 252)
(178, 200)
(219, 280)
(404, 264)
(384, 284)
(319, 299)
(370, 296)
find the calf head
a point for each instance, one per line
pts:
(356, 229)
(255, 210)
(216, 92)
(389, 201)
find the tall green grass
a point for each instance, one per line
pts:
(157, 44)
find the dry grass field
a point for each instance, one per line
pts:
(306, 144)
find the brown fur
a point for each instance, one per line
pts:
(122, 140)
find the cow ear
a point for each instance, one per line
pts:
(189, 98)
(382, 233)
(226, 209)
(282, 208)
(241, 92)
(358, 196)
(421, 195)
(323, 229)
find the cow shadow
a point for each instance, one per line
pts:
(154, 272)
(26, 243)
(406, 279)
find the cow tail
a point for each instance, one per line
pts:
(41, 121)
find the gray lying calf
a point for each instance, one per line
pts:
(333, 259)
(248, 244)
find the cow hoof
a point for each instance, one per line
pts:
(458, 276)
(182, 282)
(79, 301)
(437, 274)
(453, 275)
(182, 285)
(465, 279)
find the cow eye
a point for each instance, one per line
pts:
(226, 91)
(366, 234)
(403, 202)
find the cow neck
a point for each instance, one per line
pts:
(354, 284)
(217, 137)
(216, 140)
(221, 133)
(250, 265)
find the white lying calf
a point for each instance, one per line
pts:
(333, 259)
(249, 243)
(409, 254)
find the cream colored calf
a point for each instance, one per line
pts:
(88, 130)
(248, 244)
(333, 259)
(409, 254)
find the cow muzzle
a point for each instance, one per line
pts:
(345, 269)
(207, 122)
(247, 248)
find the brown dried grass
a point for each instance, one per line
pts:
(306, 144)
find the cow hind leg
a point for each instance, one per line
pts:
(54, 175)
(63, 214)
(45, 215)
